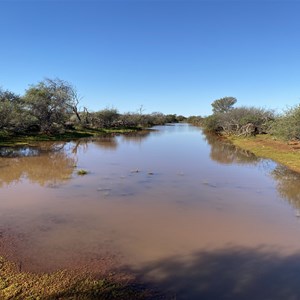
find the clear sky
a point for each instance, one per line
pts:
(169, 56)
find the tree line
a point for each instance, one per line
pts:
(250, 120)
(52, 106)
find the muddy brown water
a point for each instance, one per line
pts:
(183, 210)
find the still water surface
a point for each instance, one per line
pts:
(185, 210)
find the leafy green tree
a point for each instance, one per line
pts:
(6, 108)
(6, 95)
(171, 118)
(223, 105)
(13, 117)
(212, 123)
(181, 118)
(195, 120)
(51, 103)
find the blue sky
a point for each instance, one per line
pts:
(169, 56)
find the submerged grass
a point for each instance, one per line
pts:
(266, 146)
(62, 285)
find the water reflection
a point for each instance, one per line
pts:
(106, 142)
(47, 164)
(287, 181)
(225, 152)
(112, 141)
(288, 185)
(231, 273)
(137, 137)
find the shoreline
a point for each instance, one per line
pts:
(14, 140)
(103, 277)
(268, 147)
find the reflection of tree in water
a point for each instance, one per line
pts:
(225, 152)
(106, 142)
(231, 273)
(45, 164)
(110, 142)
(137, 137)
(288, 185)
(288, 182)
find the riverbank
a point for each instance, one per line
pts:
(8, 139)
(266, 146)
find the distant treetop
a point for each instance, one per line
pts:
(223, 105)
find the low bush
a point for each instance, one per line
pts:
(287, 126)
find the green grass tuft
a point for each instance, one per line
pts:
(82, 172)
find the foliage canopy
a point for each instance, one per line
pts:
(223, 105)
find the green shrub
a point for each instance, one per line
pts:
(212, 123)
(287, 126)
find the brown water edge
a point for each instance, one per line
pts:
(89, 275)
(82, 276)
(234, 272)
(13, 247)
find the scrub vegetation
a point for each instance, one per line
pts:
(51, 110)
(259, 130)
(250, 121)
(238, 121)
